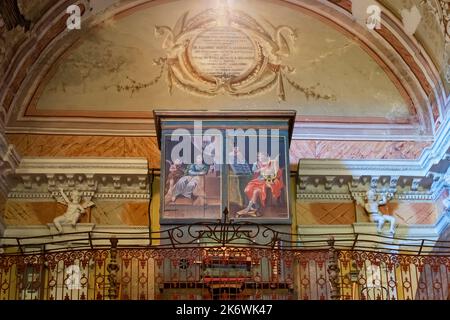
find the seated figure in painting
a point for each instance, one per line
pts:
(175, 173)
(188, 185)
(371, 206)
(267, 176)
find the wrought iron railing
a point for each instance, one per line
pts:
(223, 260)
(226, 232)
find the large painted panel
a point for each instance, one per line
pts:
(240, 165)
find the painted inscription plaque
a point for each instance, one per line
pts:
(223, 52)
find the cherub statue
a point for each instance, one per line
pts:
(372, 202)
(75, 208)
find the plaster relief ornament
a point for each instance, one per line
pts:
(372, 202)
(446, 201)
(225, 51)
(75, 207)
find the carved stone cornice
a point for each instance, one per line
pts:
(106, 178)
(347, 187)
(318, 187)
(412, 180)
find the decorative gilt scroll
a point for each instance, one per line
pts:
(226, 51)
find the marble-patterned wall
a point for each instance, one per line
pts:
(408, 213)
(323, 149)
(109, 146)
(32, 213)
(86, 146)
(118, 212)
(340, 213)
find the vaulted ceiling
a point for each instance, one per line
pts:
(317, 57)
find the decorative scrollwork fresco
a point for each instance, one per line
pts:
(226, 51)
(441, 11)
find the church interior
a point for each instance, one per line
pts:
(224, 150)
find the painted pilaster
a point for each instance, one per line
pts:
(9, 161)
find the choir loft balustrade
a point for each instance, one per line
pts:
(223, 260)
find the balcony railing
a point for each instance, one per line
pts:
(225, 260)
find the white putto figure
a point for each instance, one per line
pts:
(74, 209)
(372, 202)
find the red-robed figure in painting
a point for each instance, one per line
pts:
(267, 176)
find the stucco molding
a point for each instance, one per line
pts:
(106, 178)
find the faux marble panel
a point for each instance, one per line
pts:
(86, 146)
(135, 214)
(329, 213)
(107, 212)
(119, 212)
(356, 149)
(412, 213)
(143, 147)
(101, 146)
(72, 146)
(29, 213)
(305, 149)
(309, 213)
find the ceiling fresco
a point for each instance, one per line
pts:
(130, 58)
(293, 61)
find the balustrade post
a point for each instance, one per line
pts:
(113, 268)
(333, 270)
